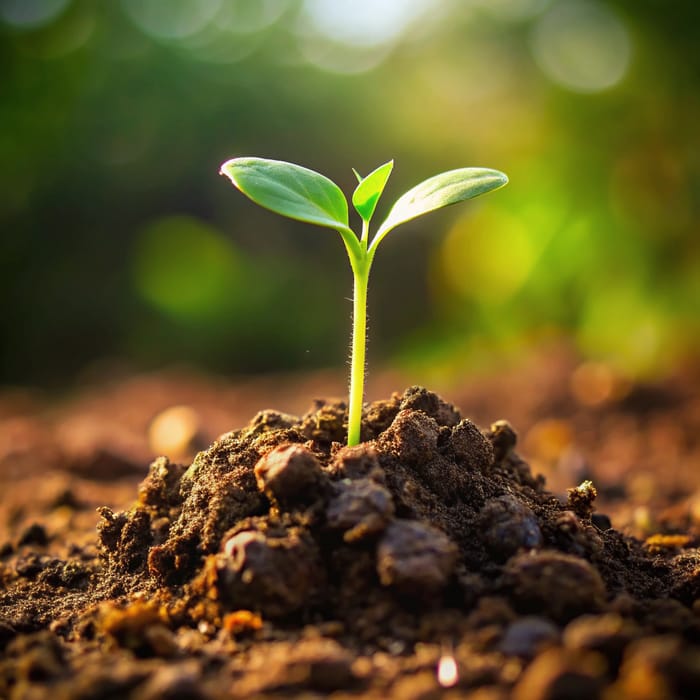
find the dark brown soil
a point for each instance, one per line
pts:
(429, 561)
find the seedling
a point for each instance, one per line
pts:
(305, 195)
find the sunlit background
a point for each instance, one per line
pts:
(120, 241)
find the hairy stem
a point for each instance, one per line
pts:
(359, 342)
(365, 232)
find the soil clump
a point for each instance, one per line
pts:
(282, 563)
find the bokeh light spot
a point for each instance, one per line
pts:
(220, 45)
(345, 60)
(364, 22)
(595, 383)
(186, 268)
(171, 19)
(625, 328)
(30, 14)
(487, 256)
(581, 46)
(249, 16)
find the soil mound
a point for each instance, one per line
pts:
(427, 560)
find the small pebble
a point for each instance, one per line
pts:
(507, 526)
(289, 475)
(272, 575)
(362, 508)
(415, 558)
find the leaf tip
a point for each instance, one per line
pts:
(224, 166)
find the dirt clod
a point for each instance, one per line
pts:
(275, 575)
(289, 475)
(412, 437)
(361, 508)
(415, 557)
(580, 499)
(280, 563)
(508, 526)
(503, 438)
(35, 534)
(559, 586)
(357, 462)
(470, 447)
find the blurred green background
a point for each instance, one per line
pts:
(120, 240)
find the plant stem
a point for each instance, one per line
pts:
(359, 341)
(365, 233)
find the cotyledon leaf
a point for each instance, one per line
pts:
(290, 190)
(440, 191)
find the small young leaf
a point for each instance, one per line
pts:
(440, 191)
(368, 192)
(290, 190)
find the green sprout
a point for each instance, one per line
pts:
(305, 195)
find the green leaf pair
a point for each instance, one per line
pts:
(305, 195)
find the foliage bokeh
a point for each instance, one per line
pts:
(119, 239)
